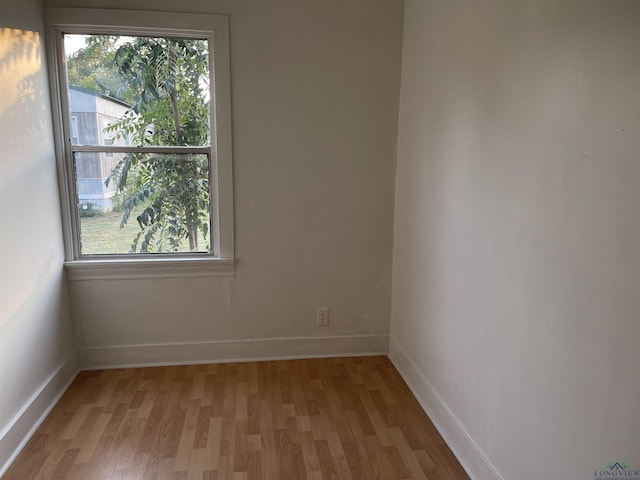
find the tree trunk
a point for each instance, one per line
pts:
(176, 117)
(192, 231)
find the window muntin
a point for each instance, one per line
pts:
(213, 29)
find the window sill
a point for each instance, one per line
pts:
(125, 269)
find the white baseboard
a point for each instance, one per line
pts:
(24, 424)
(232, 351)
(472, 459)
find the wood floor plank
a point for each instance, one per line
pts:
(53, 459)
(316, 419)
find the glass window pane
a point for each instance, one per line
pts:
(74, 131)
(143, 203)
(151, 91)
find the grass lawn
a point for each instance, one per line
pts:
(102, 234)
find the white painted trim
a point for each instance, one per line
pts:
(124, 356)
(21, 428)
(466, 450)
(174, 150)
(146, 267)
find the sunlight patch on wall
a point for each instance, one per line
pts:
(26, 166)
(19, 60)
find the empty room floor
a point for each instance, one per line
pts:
(334, 418)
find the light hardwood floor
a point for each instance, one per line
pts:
(339, 418)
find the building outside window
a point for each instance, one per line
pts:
(91, 115)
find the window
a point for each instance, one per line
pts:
(74, 130)
(143, 141)
(109, 135)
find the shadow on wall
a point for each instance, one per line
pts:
(23, 89)
(25, 146)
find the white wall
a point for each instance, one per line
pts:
(35, 332)
(315, 89)
(516, 280)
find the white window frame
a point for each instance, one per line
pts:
(214, 28)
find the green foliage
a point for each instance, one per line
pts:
(174, 190)
(167, 76)
(93, 68)
(163, 79)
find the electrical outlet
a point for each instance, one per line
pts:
(322, 317)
